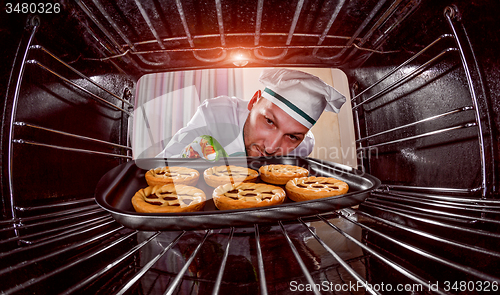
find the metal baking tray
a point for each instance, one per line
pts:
(117, 187)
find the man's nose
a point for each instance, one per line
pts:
(273, 144)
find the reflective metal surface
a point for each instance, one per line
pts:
(116, 189)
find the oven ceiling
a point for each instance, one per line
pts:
(140, 37)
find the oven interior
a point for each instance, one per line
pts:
(423, 79)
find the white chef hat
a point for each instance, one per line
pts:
(301, 95)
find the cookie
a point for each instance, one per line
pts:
(219, 175)
(170, 198)
(247, 195)
(310, 188)
(281, 174)
(168, 174)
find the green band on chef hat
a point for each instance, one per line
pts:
(291, 106)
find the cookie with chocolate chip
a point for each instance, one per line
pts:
(219, 175)
(247, 195)
(310, 188)
(171, 174)
(170, 198)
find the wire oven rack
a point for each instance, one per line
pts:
(103, 257)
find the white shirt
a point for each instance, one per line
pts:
(223, 118)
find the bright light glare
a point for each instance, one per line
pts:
(240, 60)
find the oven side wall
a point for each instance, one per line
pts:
(449, 159)
(64, 118)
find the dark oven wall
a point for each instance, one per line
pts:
(417, 123)
(64, 120)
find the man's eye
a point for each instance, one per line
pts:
(268, 121)
(293, 137)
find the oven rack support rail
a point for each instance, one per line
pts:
(88, 233)
(114, 34)
(475, 85)
(24, 65)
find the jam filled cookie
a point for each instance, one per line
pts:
(169, 198)
(310, 188)
(247, 195)
(281, 174)
(177, 175)
(231, 174)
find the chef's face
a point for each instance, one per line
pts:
(269, 131)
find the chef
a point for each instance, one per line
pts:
(275, 122)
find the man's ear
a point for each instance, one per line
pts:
(254, 99)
